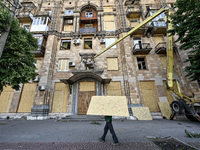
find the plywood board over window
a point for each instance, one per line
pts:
(150, 96)
(112, 63)
(114, 88)
(6, 99)
(27, 97)
(107, 9)
(158, 39)
(60, 98)
(109, 23)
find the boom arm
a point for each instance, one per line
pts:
(134, 29)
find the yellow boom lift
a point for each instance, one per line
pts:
(182, 104)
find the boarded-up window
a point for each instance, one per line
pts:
(27, 98)
(68, 25)
(163, 61)
(158, 39)
(109, 23)
(63, 65)
(60, 98)
(107, 9)
(112, 64)
(134, 23)
(150, 96)
(6, 99)
(114, 88)
(110, 41)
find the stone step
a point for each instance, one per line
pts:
(156, 115)
(81, 118)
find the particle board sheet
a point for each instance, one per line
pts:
(109, 25)
(112, 63)
(108, 105)
(114, 88)
(165, 109)
(60, 98)
(109, 18)
(5, 101)
(150, 96)
(142, 113)
(86, 86)
(107, 9)
(27, 97)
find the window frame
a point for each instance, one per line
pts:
(139, 62)
(66, 65)
(65, 41)
(88, 40)
(88, 15)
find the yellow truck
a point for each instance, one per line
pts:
(181, 104)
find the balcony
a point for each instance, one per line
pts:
(133, 13)
(161, 48)
(158, 27)
(25, 16)
(88, 30)
(40, 24)
(132, 2)
(142, 48)
(40, 52)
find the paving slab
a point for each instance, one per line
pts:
(83, 135)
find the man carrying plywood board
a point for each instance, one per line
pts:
(108, 106)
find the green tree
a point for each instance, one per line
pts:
(4, 18)
(186, 23)
(17, 62)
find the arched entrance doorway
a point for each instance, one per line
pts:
(85, 85)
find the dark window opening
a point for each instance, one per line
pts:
(65, 44)
(141, 63)
(87, 43)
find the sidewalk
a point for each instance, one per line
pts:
(82, 135)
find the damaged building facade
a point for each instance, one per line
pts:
(70, 33)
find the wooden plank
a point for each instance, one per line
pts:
(142, 113)
(108, 105)
(165, 109)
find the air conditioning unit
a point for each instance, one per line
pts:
(36, 79)
(71, 64)
(102, 41)
(76, 42)
(42, 88)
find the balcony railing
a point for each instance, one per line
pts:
(142, 48)
(40, 52)
(161, 48)
(158, 24)
(131, 2)
(25, 16)
(88, 30)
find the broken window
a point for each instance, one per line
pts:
(88, 43)
(141, 63)
(65, 44)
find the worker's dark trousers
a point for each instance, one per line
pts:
(107, 127)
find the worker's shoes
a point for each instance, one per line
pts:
(115, 144)
(100, 139)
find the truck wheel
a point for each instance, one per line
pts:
(177, 107)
